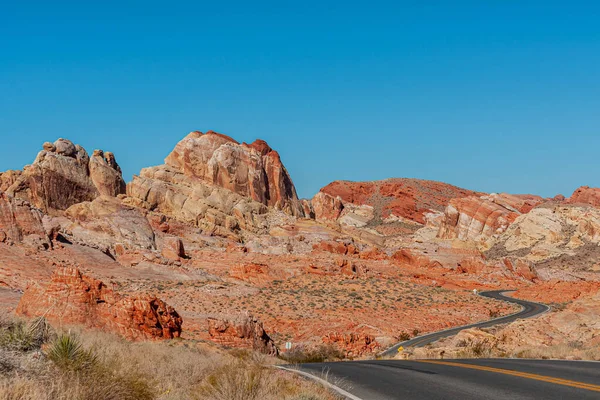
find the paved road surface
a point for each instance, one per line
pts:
(494, 379)
(529, 310)
(491, 379)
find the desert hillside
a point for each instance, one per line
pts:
(214, 246)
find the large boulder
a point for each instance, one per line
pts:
(250, 170)
(73, 298)
(218, 185)
(106, 221)
(63, 174)
(243, 331)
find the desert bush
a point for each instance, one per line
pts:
(67, 353)
(304, 355)
(21, 336)
(404, 336)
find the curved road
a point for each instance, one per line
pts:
(530, 310)
(490, 379)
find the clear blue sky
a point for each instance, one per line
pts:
(488, 95)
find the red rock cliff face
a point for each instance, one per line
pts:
(251, 170)
(406, 198)
(63, 174)
(72, 298)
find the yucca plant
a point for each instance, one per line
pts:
(68, 353)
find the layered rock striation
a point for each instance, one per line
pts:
(480, 217)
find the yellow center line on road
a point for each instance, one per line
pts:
(543, 378)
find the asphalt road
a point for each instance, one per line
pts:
(463, 379)
(529, 310)
(494, 379)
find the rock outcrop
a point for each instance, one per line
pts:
(546, 233)
(326, 207)
(63, 174)
(212, 182)
(243, 331)
(408, 199)
(250, 170)
(353, 344)
(106, 222)
(72, 298)
(585, 195)
(474, 218)
(173, 248)
(20, 222)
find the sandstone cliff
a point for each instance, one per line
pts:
(253, 170)
(63, 174)
(474, 218)
(215, 183)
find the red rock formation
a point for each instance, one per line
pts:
(351, 269)
(331, 246)
(8, 178)
(243, 331)
(173, 248)
(353, 344)
(251, 272)
(406, 256)
(19, 220)
(521, 268)
(251, 170)
(72, 298)
(326, 207)
(404, 198)
(472, 217)
(373, 253)
(63, 174)
(585, 195)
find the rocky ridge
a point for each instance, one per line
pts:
(218, 230)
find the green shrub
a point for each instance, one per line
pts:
(67, 353)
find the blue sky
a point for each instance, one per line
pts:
(488, 95)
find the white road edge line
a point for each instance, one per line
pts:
(322, 382)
